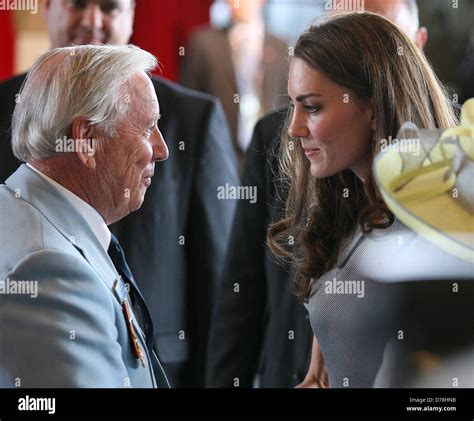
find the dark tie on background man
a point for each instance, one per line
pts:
(140, 308)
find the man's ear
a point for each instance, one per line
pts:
(84, 143)
(421, 38)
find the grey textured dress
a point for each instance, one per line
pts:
(392, 296)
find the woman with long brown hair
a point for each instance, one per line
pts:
(354, 80)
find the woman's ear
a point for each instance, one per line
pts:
(373, 122)
(371, 114)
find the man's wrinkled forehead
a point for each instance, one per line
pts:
(141, 91)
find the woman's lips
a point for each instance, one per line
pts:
(310, 152)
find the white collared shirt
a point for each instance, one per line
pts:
(92, 217)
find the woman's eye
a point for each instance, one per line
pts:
(312, 108)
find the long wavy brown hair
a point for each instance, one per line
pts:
(374, 60)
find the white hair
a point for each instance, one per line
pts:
(68, 82)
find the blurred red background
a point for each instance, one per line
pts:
(161, 27)
(7, 45)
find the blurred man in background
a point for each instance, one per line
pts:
(241, 64)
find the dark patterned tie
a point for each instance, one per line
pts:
(118, 258)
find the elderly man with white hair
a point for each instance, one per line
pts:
(86, 127)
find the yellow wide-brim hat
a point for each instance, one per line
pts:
(426, 178)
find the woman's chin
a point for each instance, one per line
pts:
(316, 171)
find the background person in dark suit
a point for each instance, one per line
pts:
(466, 74)
(175, 244)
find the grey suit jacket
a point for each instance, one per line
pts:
(71, 331)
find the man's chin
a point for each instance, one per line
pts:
(137, 203)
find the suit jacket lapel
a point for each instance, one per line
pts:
(29, 186)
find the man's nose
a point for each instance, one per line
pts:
(160, 150)
(93, 17)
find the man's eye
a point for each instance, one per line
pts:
(110, 7)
